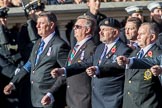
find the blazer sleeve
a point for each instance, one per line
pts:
(111, 69)
(60, 82)
(78, 67)
(19, 77)
(146, 63)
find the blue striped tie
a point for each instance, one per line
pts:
(39, 52)
(140, 54)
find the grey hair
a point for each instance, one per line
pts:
(91, 22)
(153, 27)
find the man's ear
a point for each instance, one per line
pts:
(153, 37)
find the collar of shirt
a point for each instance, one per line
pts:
(47, 39)
(82, 42)
(147, 48)
(111, 45)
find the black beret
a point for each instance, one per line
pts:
(3, 12)
(35, 5)
(111, 22)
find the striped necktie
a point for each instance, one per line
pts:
(103, 56)
(39, 52)
(140, 54)
(72, 54)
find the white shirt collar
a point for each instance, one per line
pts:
(111, 44)
(83, 41)
(147, 48)
(48, 38)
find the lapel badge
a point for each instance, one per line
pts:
(79, 61)
(106, 22)
(114, 58)
(82, 55)
(147, 74)
(49, 51)
(149, 54)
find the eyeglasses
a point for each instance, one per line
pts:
(78, 27)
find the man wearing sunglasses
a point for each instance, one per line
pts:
(78, 93)
(107, 91)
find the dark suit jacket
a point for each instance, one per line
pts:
(54, 55)
(142, 90)
(106, 91)
(78, 94)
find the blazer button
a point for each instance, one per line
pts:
(33, 72)
(128, 93)
(68, 86)
(130, 81)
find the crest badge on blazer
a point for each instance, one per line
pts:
(147, 74)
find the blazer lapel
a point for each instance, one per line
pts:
(147, 54)
(98, 55)
(111, 52)
(48, 47)
(80, 53)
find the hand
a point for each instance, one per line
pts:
(122, 60)
(46, 100)
(156, 70)
(8, 89)
(91, 71)
(57, 72)
(61, 1)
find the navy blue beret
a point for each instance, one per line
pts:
(111, 22)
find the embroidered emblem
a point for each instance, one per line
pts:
(147, 74)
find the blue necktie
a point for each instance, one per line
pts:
(39, 52)
(140, 54)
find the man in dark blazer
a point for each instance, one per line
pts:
(107, 92)
(78, 93)
(142, 88)
(43, 58)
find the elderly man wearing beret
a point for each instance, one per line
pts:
(107, 89)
